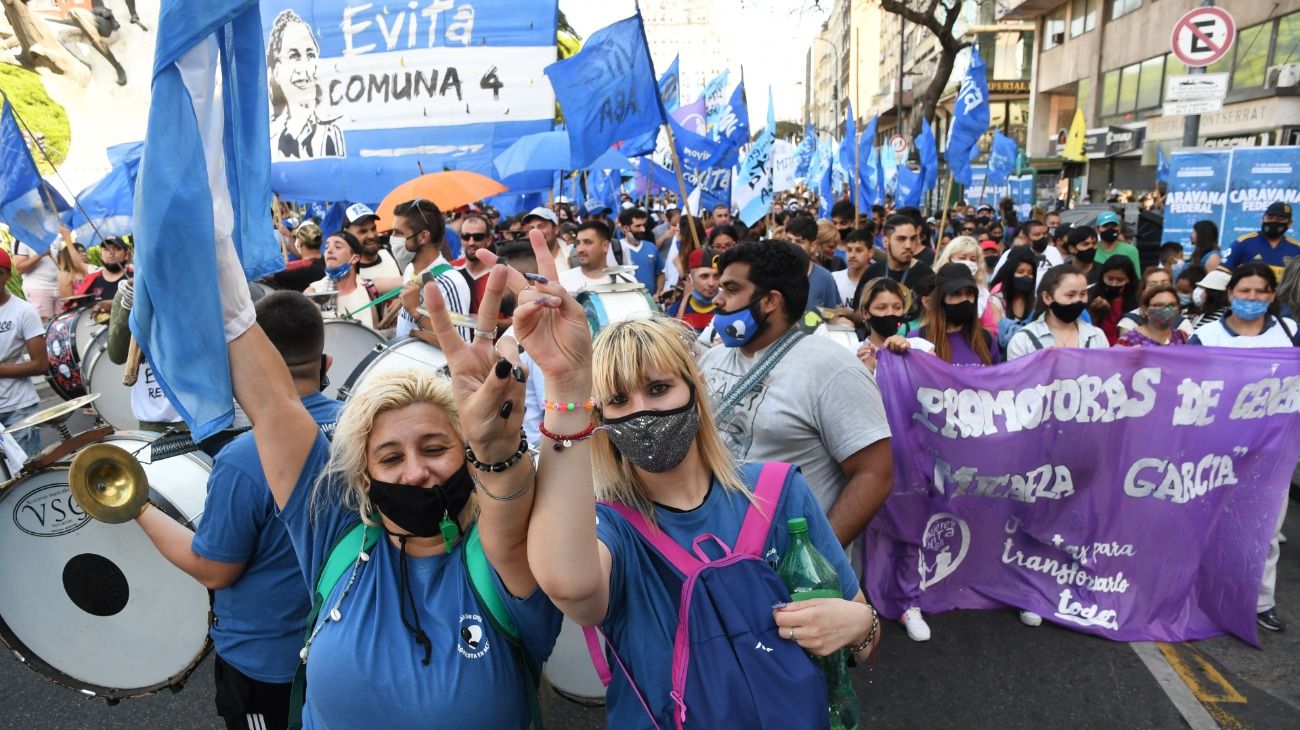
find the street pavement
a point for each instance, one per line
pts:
(981, 669)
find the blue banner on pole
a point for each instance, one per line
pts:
(929, 153)
(1002, 157)
(670, 85)
(732, 122)
(1198, 190)
(970, 118)
(24, 196)
(1258, 176)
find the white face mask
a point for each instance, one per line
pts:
(397, 242)
(1198, 297)
(974, 267)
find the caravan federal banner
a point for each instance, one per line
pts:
(1198, 190)
(1259, 176)
(1129, 493)
(362, 91)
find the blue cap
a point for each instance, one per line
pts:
(1107, 217)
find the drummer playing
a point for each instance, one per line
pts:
(20, 331)
(102, 284)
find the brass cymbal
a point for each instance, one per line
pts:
(53, 413)
(109, 483)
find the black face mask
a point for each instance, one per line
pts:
(1067, 312)
(1039, 245)
(983, 220)
(1108, 236)
(959, 313)
(991, 262)
(1023, 284)
(1273, 230)
(886, 326)
(423, 512)
(112, 268)
(1110, 291)
(1086, 256)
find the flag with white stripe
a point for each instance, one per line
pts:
(202, 218)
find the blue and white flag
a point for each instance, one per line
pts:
(25, 199)
(970, 118)
(1162, 165)
(804, 153)
(706, 165)
(752, 192)
(603, 187)
(849, 145)
(714, 97)
(609, 94)
(871, 183)
(907, 191)
(732, 122)
(105, 209)
(670, 85)
(363, 94)
(1002, 157)
(206, 171)
(826, 191)
(929, 154)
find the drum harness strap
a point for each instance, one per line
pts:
(760, 370)
(352, 550)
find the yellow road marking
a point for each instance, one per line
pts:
(1207, 684)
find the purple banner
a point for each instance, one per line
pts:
(1130, 494)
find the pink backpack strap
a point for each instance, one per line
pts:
(758, 520)
(685, 563)
(602, 667)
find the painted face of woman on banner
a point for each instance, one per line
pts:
(293, 67)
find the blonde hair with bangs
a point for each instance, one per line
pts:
(622, 356)
(345, 477)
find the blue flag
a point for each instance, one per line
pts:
(848, 146)
(826, 191)
(970, 118)
(608, 93)
(706, 164)
(908, 190)
(805, 152)
(670, 85)
(206, 170)
(24, 197)
(929, 154)
(753, 191)
(732, 123)
(871, 183)
(1162, 165)
(713, 92)
(604, 188)
(1002, 157)
(109, 203)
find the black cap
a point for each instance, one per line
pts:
(952, 278)
(1280, 209)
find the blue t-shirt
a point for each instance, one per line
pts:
(649, 264)
(822, 289)
(258, 621)
(366, 669)
(1254, 248)
(642, 617)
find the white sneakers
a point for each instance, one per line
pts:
(1029, 618)
(917, 628)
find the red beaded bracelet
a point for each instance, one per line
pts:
(588, 405)
(564, 442)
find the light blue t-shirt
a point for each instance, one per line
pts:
(367, 670)
(649, 264)
(258, 620)
(642, 617)
(822, 289)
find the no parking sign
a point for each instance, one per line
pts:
(1203, 36)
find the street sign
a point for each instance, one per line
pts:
(900, 143)
(1199, 106)
(1203, 36)
(1196, 87)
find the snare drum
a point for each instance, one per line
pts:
(411, 352)
(92, 606)
(842, 333)
(606, 304)
(103, 376)
(569, 668)
(349, 343)
(67, 339)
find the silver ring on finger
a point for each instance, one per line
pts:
(791, 633)
(484, 335)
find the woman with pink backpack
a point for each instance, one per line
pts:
(674, 560)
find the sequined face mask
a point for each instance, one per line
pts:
(656, 441)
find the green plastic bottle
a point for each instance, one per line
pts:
(808, 574)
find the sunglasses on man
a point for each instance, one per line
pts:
(476, 236)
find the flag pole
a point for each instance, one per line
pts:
(857, 171)
(681, 181)
(946, 202)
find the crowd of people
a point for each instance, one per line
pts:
(432, 558)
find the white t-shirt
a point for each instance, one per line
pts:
(814, 421)
(671, 274)
(42, 278)
(148, 402)
(846, 287)
(1218, 334)
(576, 280)
(19, 323)
(350, 302)
(385, 268)
(455, 292)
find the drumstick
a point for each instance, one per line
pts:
(133, 357)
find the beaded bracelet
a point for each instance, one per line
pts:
(523, 488)
(588, 405)
(855, 649)
(564, 442)
(501, 465)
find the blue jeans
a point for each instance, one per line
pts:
(28, 438)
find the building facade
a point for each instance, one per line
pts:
(686, 27)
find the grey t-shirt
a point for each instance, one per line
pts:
(817, 407)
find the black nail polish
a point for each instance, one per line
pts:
(519, 373)
(502, 368)
(507, 408)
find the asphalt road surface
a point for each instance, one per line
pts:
(982, 669)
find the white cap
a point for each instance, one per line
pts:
(544, 213)
(1216, 280)
(356, 213)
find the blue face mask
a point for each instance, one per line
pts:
(339, 271)
(1249, 309)
(738, 327)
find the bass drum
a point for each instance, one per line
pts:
(95, 607)
(606, 304)
(404, 354)
(349, 343)
(844, 334)
(67, 340)
(103, 376)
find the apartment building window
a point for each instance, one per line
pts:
(1054, 29)
(1083, 17)
(1268, 44)
(1252, 57)
(1134, 87)
(1287, 48)
(1120, 8)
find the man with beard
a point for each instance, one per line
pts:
(591, 250)
(377, 263)
(102, 284)
(419, 226)
(639, 252)
(475, 234)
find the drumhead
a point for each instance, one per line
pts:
(65, 361)
(85, 330)
(349, 343)
(411, 352)
(604, 308)
(92, 606)
(103, 376)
